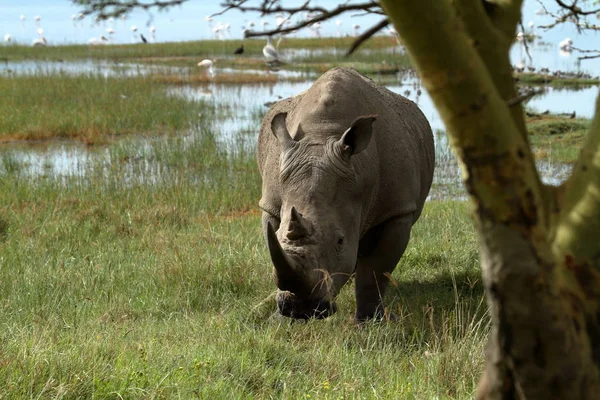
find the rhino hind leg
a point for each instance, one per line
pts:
(379, 253)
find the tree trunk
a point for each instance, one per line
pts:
(540, 245)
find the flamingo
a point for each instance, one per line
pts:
(39, 42)
(279, 20)
(520, 36)
(133, 29)
(208, 64)
(98, 41)
(338, 22)
(566, 45)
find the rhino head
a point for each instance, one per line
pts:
(315, 249)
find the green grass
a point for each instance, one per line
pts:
(145, 274)
(196, 49)
(90, 108)
(148, 277)
(548, 79)
(556, 138)
(316, 56)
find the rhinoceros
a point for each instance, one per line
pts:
(346, 167)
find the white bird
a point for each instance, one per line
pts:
(152, 30)
(97, 41)
(110, 31)
(133, 28)
(40, 31)
(8, 38)
(22, 17)
(209, 65)
(356, 28)
(520, 36)
(39, 42)
(37, 18)
(530, 24)
(566, 45)
(271, 55)
(316, 28)
(338, 22)
(269, 51)
(217, 30)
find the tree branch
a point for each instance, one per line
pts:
(317, 14)
(493, 31)
(580, 217)
(498, 169)
(367, 34)
(115, 8)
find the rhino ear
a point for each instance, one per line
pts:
(358, 136)
(280, 130)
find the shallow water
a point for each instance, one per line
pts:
(103, 68)
(240, 107)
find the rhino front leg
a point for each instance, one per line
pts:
(379, 253)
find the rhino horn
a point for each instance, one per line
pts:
(298, 227)
(286, 277)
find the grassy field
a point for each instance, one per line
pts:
(549, 79)
(309, 55)
(145, 275)
(557, 138)
(161, 286)
(90, 108)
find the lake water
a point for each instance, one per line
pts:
(68, 159)
(188, 23)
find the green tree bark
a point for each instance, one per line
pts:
(540, 245)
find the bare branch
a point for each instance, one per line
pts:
(570, 13)
(523, 97)
(576, 10)
(367, 34)
(114, 8)
(315, 13)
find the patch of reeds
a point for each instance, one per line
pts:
(557, 138)
(90, 108)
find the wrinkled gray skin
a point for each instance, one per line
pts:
(346, 167)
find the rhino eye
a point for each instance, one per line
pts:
(340, 240)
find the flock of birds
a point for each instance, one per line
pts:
(105, 38)
(38, 41)
(270, 53)
(219, 30)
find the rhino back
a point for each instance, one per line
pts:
(399, 158)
